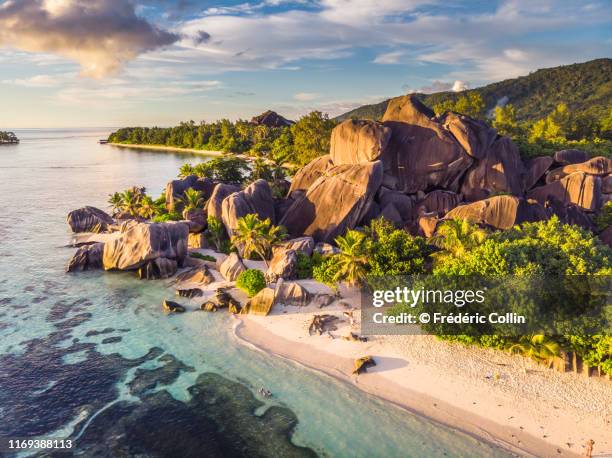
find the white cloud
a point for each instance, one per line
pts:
(459, 86)
(389, 58)
(37, 81)
(306, 96)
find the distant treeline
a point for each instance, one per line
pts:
(299, 143)
(8, 137)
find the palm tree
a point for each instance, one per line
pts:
(252, 235)
(186, 170)
(130, 201)
(192, 200)
(148, 209)
(456, 236)
(115, 201)
(216, 231)
(352, 260)
(537, 347)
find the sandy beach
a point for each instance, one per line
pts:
(505, 400)
(168, 148)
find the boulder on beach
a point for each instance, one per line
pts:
(86, 257)
(291, 293)
(570, 156)
(598, 166)
(335, 202)
(199, 275)
(157, 269)
(175, 190)
(578, 188)
(256, 198)
(215, 203)
(421, 154)
(474, 135)
(534, 170)
(500, 212)
(501, 170)
(282, 265)
(438, 202)
(304, 245)
(139, 243)
(308, 174)
(261, 303)
(89, 219)
(172, 307)
(356, 142)
(195, 219)
(231, 267)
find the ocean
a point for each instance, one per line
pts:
(90, 357)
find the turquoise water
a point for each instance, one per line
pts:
(92, 357)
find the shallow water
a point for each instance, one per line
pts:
(90, 356)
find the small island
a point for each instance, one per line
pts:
(8, 138)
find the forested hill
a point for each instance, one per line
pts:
(585, 87)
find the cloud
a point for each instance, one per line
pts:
(101, 35)
(389, 58)
(37, 81)
(201, 37)
(459, 86)
(306, 96)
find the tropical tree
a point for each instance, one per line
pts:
(147, 207)
(312, 136)
(505, 120)
(352, 261)
(186, 170)
(216, 232)
(115, 201)
(192, 200)
(252, 235)
(537, 347)
(457, 236)
(130, 201)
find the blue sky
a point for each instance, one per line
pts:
(78, 63)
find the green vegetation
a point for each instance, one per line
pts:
(604, 218)
(298, 143)
(8, 137)
(254, 236)
(203, 257)
(304, 265)
(251, 281)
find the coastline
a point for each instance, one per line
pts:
(529, 420)
(174, 149)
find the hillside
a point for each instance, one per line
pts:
(583, 87)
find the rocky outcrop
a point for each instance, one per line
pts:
(438, 202)
(270, 119)
(501, 170)
(578, 188)
(500, 212)
(282, 265)
(402, 203)
(597, 166)
(323, 249)
(606, 236)
(86, 257)
(301, 244)
(570, 214)
(172, 307)
(197, 241)
(427, 225)
(89, 219)
(140, 243)
(195, 219)
(157, 269)
(291, 293)
(175, 190)
(356, 142)
(310, 173)
(606, 185)
(475, 136)
(220, 192)
(534, 170)
(570, 156)
(256, 198)
(421, 153)
(199, 275)
(261, 303)
(231, 267)
(335, 202)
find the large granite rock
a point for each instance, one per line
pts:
(271, 119)
(499, 212)
(570, 214)
(606, 184)
(421, 154)
(310, 173)
(606, 236)
(282, 265)
(256, 198)
(355, 142)
(231, 267)
(402, 203)
(335, 202)
(86, 257)
(598, 166)
(261, 303)
(534, 170)
(89, 219)
(439, 202)
(571, 156)
(175, 190)
(300, 244)
(475, 136)
(215, 203)
(501, 170)
(578, 188)
(139, 243)
(195, 219)
(157, 269)
(291, 293)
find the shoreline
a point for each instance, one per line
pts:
(174, 149)
(527, 410)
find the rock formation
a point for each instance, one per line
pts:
(356, 142)
(89, 219)
(255, 198)
(220, 192)
(308, 174)
(270, 119)
(175, 190)
(578, 188)
(231, 267)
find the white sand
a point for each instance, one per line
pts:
(480, 391)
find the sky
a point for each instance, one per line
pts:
(111, 63)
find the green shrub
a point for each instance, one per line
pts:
(304, 266)
(165, 217)
(326, 270)
(604, 219)
(203, 257)
(251, 281)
